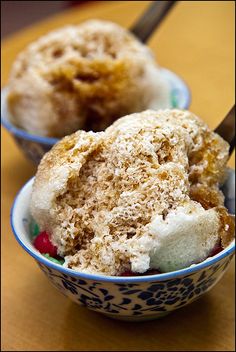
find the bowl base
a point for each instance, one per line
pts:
(137, 317)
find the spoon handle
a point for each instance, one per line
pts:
(149, 21)
(226, 129)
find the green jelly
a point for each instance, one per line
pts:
(174, 98)
(57, 261)
(34, 229)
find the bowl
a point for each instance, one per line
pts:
(133, 298)
(34, 146)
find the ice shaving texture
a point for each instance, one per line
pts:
(143, 194)
(83, 77)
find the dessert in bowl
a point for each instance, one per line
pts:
(83, 77)
(131, 221)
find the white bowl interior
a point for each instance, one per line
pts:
(178, 88)
(20, 216)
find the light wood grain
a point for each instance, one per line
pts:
(195, 41)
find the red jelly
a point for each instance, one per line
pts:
(217, 249)
(149, 272)
(129, 273)
(43, 244)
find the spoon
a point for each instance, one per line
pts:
(151, 18)
(226, 129)
(143, 29)
(228, 189)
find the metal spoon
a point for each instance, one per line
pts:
(228, 189)
(149, 21)
(145, 26)
(226, 129)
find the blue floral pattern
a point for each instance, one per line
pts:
(33, 150)
(137, 299)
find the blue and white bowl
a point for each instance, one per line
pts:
(34, 146)
(126, 298)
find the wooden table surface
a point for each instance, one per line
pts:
(195, 41)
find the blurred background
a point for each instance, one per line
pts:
(18, 14)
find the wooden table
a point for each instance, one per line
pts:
(195, 41)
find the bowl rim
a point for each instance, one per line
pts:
(18, 132)
(114, 279)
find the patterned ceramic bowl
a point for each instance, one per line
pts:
(34, 147)
(126, 298)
